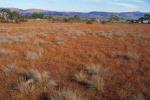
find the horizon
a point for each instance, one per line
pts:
(80, 5)
(74, 11)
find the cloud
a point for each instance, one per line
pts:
(126, 5)
(92, 0)
(133, 1)
(138, 1)
(80, 5)
(122, 3)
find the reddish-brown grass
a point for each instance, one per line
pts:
(67, 49)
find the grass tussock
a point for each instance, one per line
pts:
(29, 83)
(111, 34)
(40, 43)
(64, 94)
(59, 40)
(6, 52)
(140, 36)
(124, 55)
(30, 55)
(93, 77)
(20, 38)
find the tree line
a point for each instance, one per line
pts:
(11, 16)
(6, 15)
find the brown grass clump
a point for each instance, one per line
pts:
(80, 77)
(65, 94)
(93, 77)
(20, 38)
(30, 55)
(112, 34)
(5, 52)
(124, 55)
(41, 35)
(119, 34)
(140, 36)
(106, 34)
(29, 84)
(41, 43)
(139, 96)
(14, 39)
(59, 40)
(71, 95)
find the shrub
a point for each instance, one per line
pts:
(89, 22)
(103, 22)
(37, 15)
(9, 16)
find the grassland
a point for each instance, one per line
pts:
(40, 60)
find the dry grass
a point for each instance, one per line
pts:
(111, 34)
(97, 70)
(140, 36)
(20, 38)
(124, 55)
(14, 39)
(71, 95)
(40, 43)
(30, 55)
(65, 50)
(64, 94)
(106, 34)
(93, 77)
(59, 40)
(29, 83)
(81, 77)
(6, 52)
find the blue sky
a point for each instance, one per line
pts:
(80, 5)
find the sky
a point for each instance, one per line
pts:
(80, 5)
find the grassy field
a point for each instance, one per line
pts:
(40, 60)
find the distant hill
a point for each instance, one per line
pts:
(125, 15)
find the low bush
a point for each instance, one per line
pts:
(89, 22)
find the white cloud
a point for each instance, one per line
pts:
(138, 1)
(130, 5)
(126, 5)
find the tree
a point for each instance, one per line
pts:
(14, 15)
(7, 16)
(114, 18)
(37, 15)
(77, 18)
(146, 17)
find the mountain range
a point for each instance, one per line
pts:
(94, 14)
